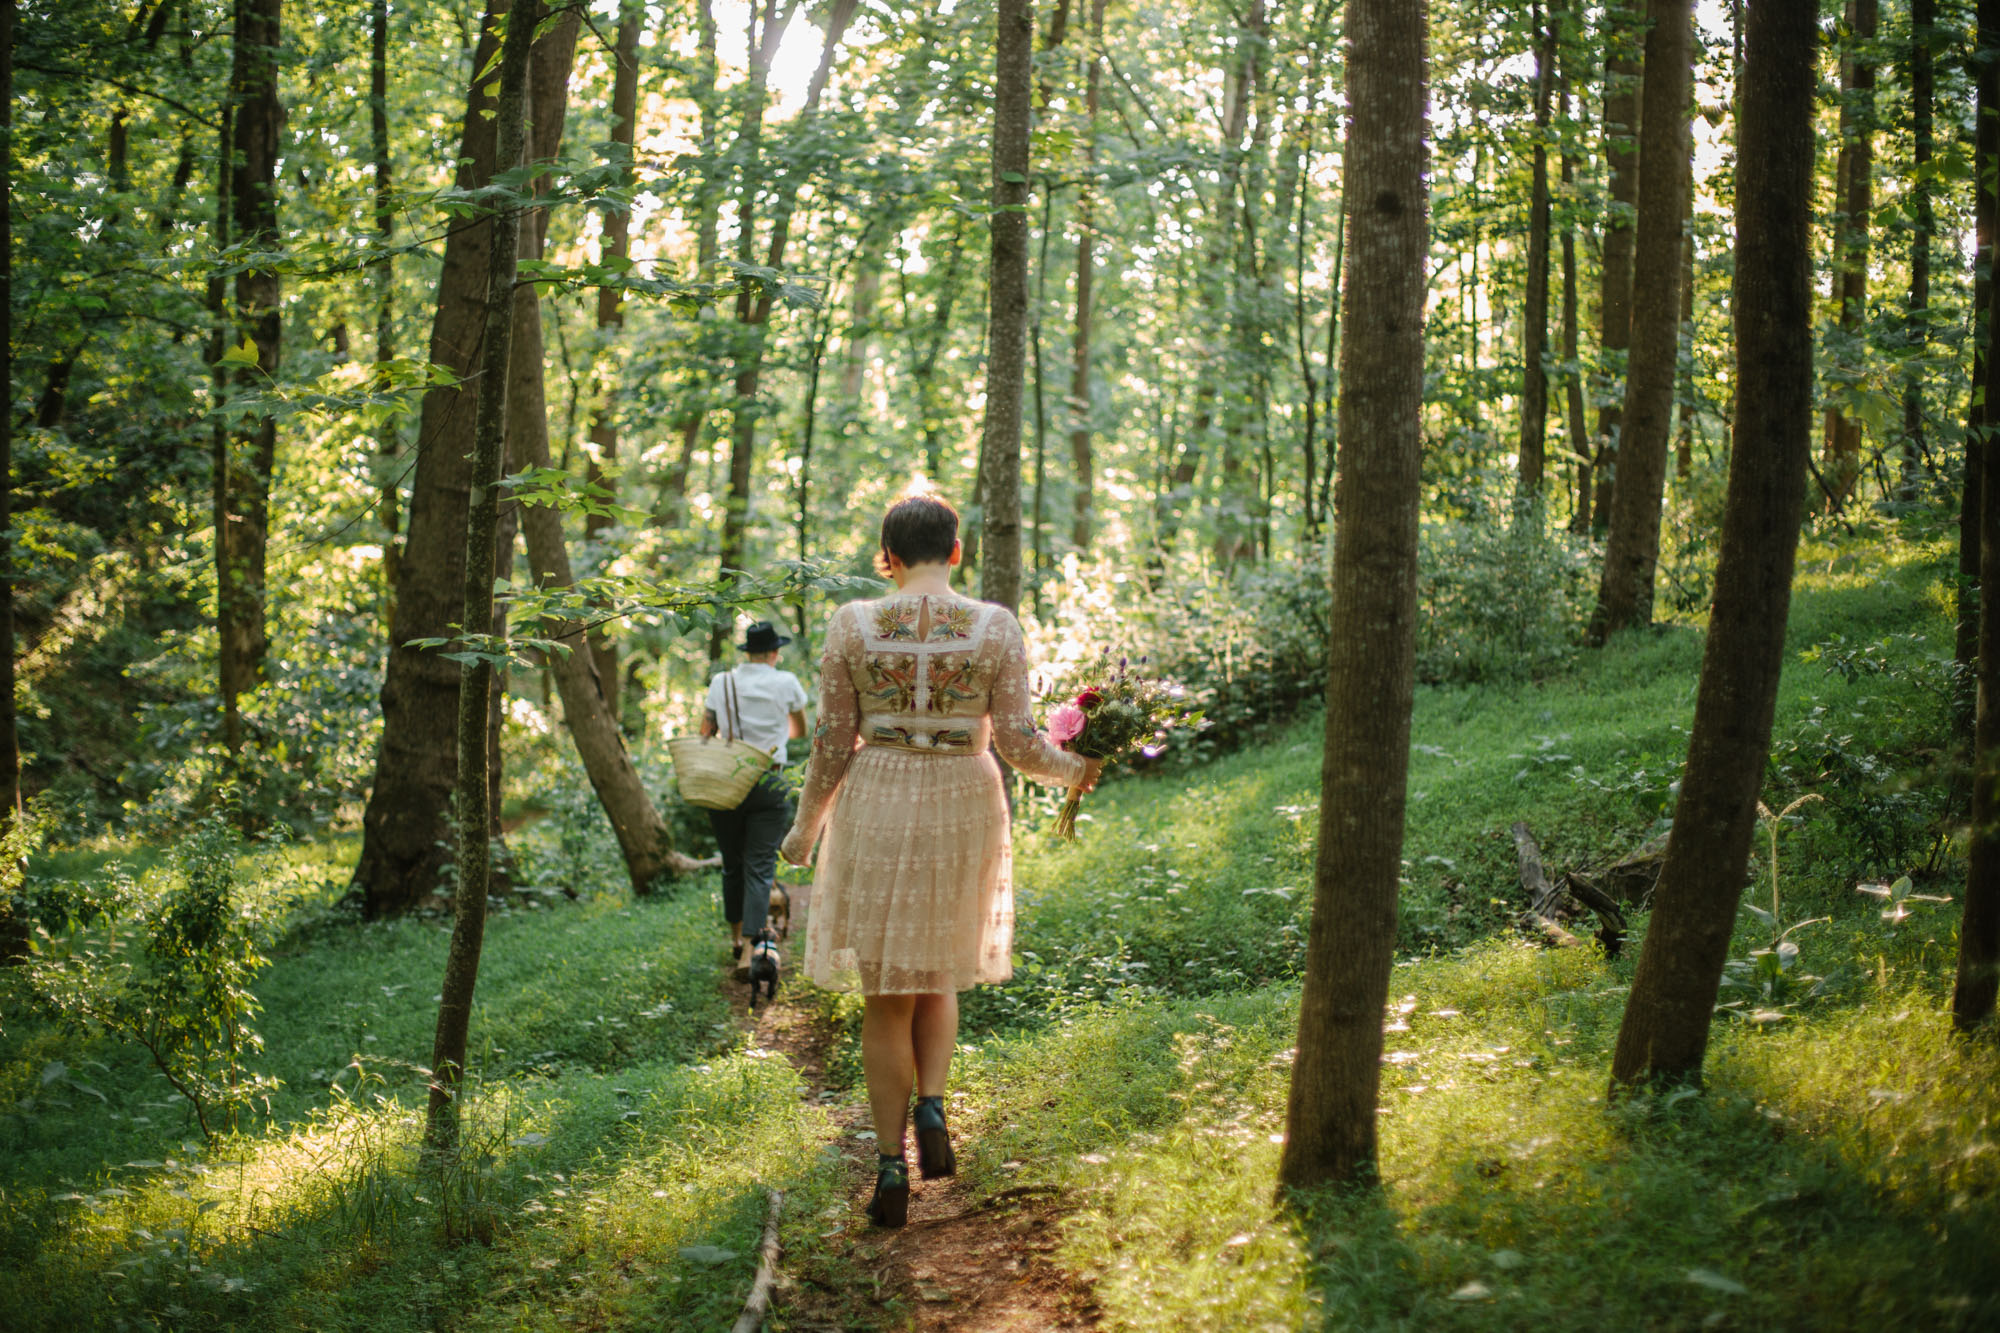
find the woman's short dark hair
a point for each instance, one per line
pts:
(919, 530)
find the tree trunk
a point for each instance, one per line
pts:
(1084, 500)
(243, 491)
(643, 837)
(1614, 293)
(1534, 338)
(1923, 95)
(471, 796)
(1684, 367)
(390, 444)
(1972, 996)
(1336, 1079)
(1986, 226)
(406, 830)
(753, 315)
(708, 204)
(615, 248)
(1632, 548)
(1854, 201)
(1577, 431)
(1007, 309)
(13, 931)
(1665, 1029)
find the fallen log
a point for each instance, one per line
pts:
(759, 1303)
(1542, 895)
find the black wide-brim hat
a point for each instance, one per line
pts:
(763, 637)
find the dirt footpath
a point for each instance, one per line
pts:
(966, 1261)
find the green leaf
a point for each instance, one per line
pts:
(707, 1254)
(1703, 1277)
(242, 355)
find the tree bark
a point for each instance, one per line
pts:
(708, 204)
(1917, 311)
(471, 796)
(1632, 548)
(1083, 506)
(1986, 227)
(1336, 1078)
(1007, 307)
(1684, 367)
(389, 510)
(1665, 1030)
(1978, 980)
(1535, 336)
(407, 834)
(1577, 431)
(615, 248)
(243, 491)
(1614, 300)
(1853, 203)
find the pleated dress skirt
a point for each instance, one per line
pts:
(913, 889)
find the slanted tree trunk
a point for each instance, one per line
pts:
(1665, 1029)
(1854, 201)
(1614, 293)
(390, 444)
(1083, 505)
(615, 248)
(1007, 307)
(1336, 1079)
(471, 797)
(643, 837)
(1632, 548)
(407, 834)
(1986, 228)
(1978, 980)
(243, 490)
(1535, 336)
(1917, 310)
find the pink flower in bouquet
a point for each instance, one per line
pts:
(1066, 724)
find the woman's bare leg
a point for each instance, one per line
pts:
(934, 1032)
(888, 1061)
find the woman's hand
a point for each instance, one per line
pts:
(796, 848)
(1092, 770)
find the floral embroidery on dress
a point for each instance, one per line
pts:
(891, 682)
(896, 620)
(955, 680)
(913, 738)
(951, 622)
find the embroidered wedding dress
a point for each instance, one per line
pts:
(913, 889)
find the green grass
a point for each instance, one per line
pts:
(614, 1121)
(1840, 1172)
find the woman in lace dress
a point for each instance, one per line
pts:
(912, 895)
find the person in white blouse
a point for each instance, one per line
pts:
(765, 707)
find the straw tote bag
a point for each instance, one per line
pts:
(716, 773)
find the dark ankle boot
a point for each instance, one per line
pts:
(934, 1155)
(891, 1205)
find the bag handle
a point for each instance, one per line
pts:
(731, 715)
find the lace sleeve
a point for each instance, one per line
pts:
(833, 741)
(1014, 733)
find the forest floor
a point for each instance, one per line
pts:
(968, 1260)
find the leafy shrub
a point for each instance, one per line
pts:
(1500, 597)
(178, 985)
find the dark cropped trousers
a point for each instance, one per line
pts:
(748, 837)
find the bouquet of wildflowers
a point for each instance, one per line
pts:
(1125, 713)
